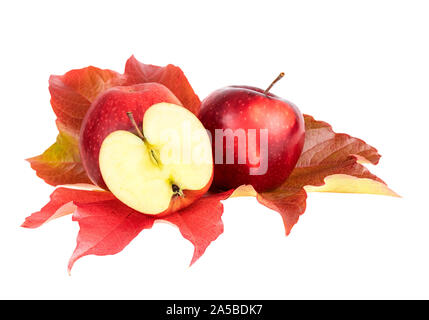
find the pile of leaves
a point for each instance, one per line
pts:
(330, 162)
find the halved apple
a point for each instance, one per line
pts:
(165, 167)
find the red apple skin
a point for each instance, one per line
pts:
(108, 113)
(244, 107)
(189, 196)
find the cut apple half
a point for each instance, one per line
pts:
(163, 168)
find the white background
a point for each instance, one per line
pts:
(363, 66)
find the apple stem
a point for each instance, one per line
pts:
(281, 75)
(133, 121)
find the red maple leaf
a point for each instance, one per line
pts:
(107, 225)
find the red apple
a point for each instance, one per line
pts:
(108, 113)
(257, 137)
(163, 167)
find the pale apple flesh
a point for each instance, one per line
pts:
(167, 169)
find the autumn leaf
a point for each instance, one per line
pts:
(107, 225)
(73, 92)
(330, 162)
(170, 76)
(60, 163)
(71, 97)
(201, 222)
(106, 228)
(63, 201)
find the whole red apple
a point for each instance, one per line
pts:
(108, 113)
(257, 137)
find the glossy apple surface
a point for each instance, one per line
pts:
(108, 113)
(165, 168)
(249, 109)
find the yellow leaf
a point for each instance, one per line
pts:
(244, 191)
(342, 183)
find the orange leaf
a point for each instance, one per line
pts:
(73, 92)
(170, 76)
